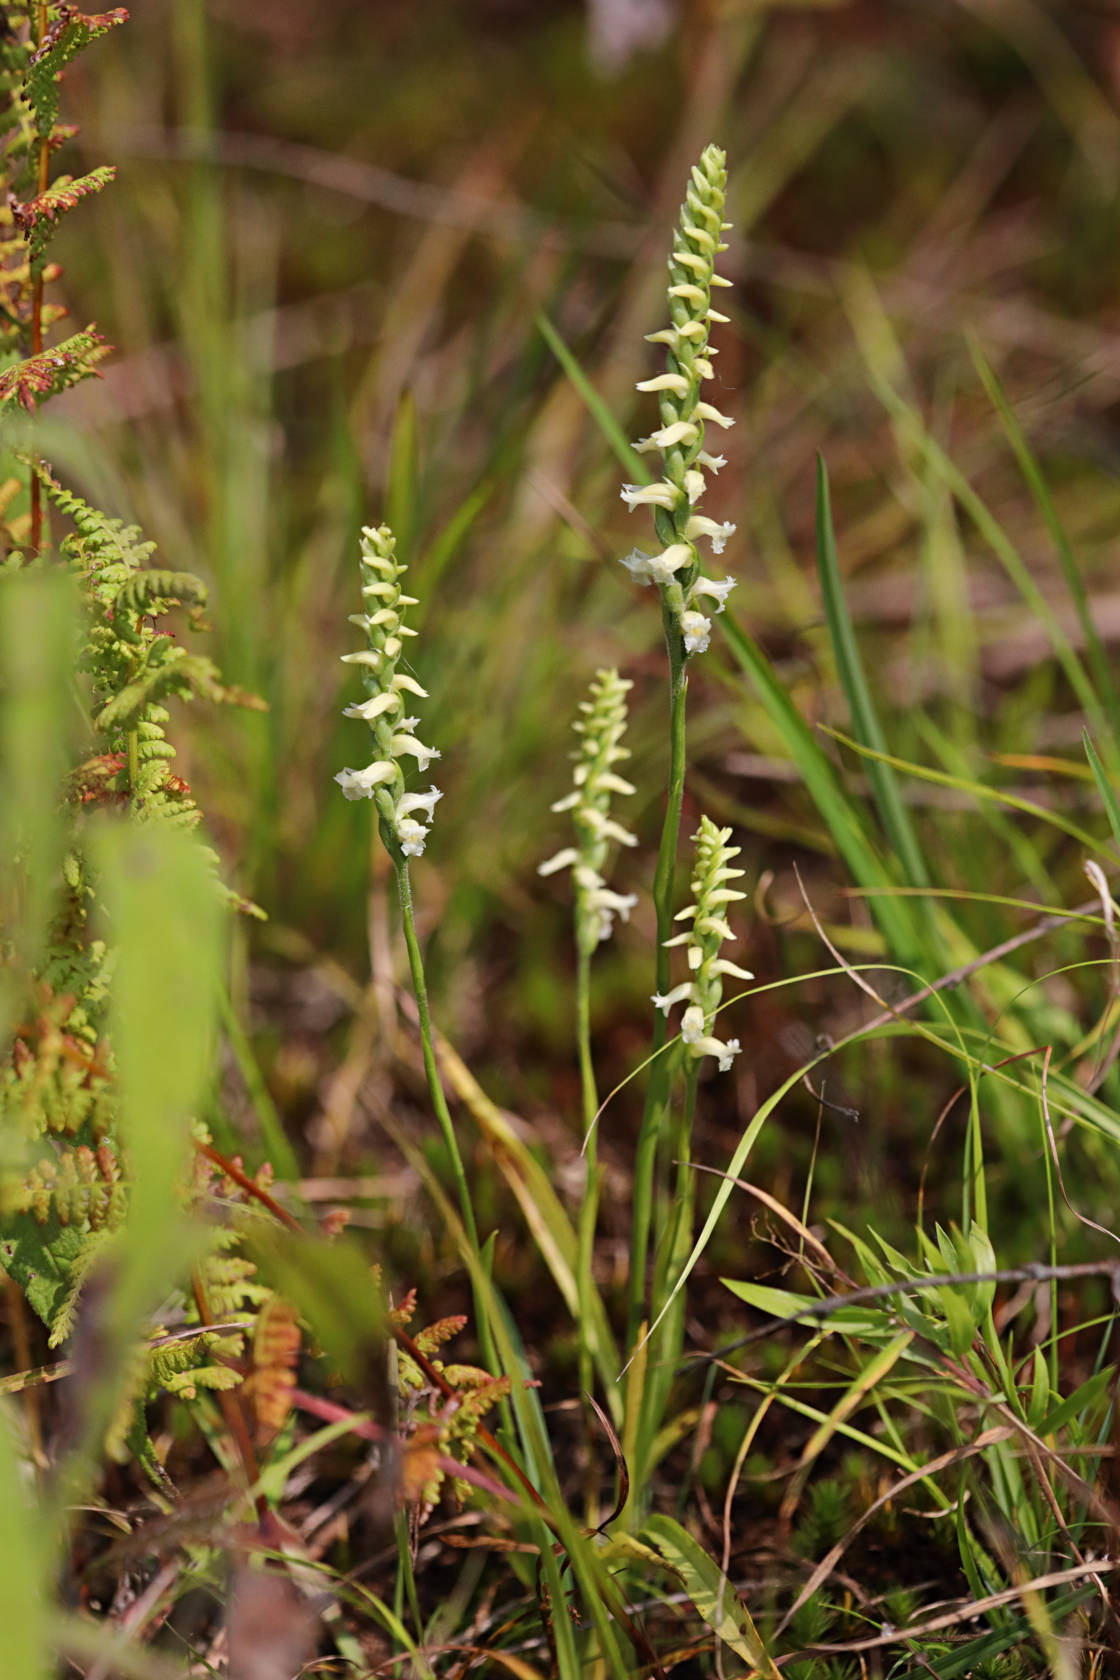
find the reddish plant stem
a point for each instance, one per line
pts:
(399, 1335)
(37, 312)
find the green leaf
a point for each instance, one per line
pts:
(1040, 1391)
(1079, 1403)
(714, 1597)
(40, 1259)
(783, 1304)
(958, 1316)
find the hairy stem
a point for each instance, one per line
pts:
(657, 1091)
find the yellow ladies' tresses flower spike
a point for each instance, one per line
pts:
(600, 730)
(382, 780)
(683, 414)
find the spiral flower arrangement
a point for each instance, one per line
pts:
(702, 993)
(386, 686)
(600, 729)
(684, 415)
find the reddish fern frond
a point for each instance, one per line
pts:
(38, 218)
(38, 377)
(64, 40)
(401, 1314)
(434, 1335)
(276, 1347)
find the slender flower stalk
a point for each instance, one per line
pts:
(688, 597)
(600, 729)
(388, 690)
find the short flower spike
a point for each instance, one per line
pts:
(600, 730)
(680, 437)
(382, 780)
(703, 991)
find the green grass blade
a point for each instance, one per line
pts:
(865, 719)
(1040, 490)
(1104, 787)
(630, 461)
(822, 784)
(979, 790)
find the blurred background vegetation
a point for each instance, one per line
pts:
(334, 228)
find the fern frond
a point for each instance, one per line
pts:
(51, 371)
(63, 41)
(38, 217)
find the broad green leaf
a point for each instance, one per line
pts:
(782, 1304)
(711, 1592)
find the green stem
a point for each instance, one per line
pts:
(589, 1211)
(435, 1090)
(431, 1069)
(668, 1341)
(657, 1092)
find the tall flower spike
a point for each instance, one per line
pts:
(680, 437)
(600, 730)
(703, 992)
(386, 688)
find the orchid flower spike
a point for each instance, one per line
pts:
(702, 992)
(382, 780)
(600, 729)
(672, 499)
